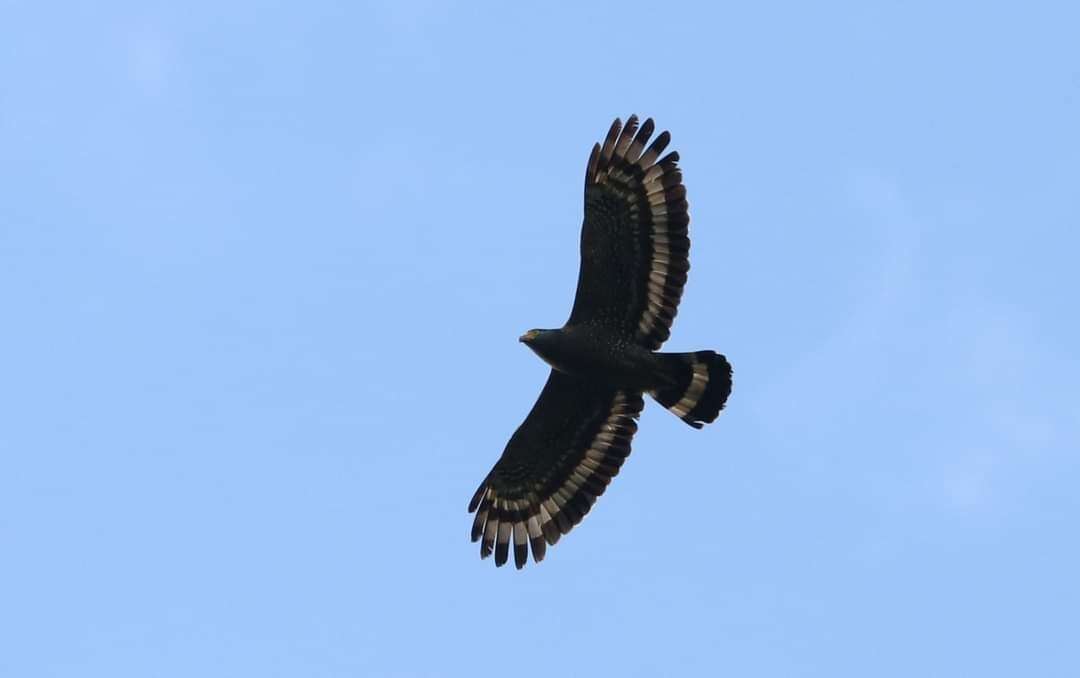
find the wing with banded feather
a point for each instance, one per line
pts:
(556, 464)
(634, 245)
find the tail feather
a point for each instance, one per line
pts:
(701, 384)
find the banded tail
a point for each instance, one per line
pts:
(701, 384)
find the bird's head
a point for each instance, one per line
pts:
(548, 344)
(530, 336)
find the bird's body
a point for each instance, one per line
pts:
(595, 354)
(634, 261)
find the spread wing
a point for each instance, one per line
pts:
(634, 245)
(556, 464)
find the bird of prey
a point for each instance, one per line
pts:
(634, 260)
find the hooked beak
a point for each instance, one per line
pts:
(528, 336)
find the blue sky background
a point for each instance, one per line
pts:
(262, 271)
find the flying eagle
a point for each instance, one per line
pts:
(634, 260)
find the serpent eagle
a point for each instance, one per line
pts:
(634, 261)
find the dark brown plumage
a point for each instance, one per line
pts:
(634, 262)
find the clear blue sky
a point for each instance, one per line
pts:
(263, 268)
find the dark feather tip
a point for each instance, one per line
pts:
(478, 525)
(539, 548)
